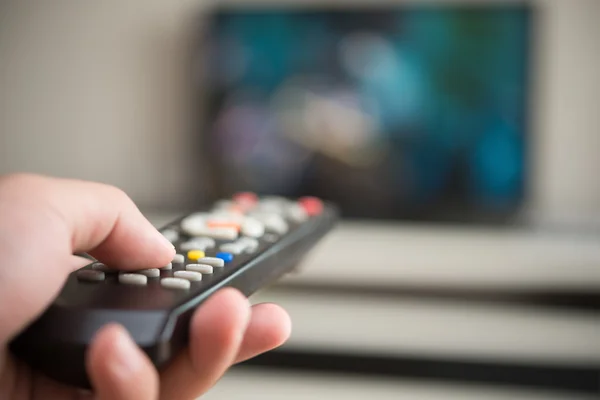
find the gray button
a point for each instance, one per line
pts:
(178, 259)
(90, 275)
(167, 267)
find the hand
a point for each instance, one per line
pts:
(43, 222)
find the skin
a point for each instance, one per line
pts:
(43, 222)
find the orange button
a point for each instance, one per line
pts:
(223, 224)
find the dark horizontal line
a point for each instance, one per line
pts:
(584, 300)
(580, 379)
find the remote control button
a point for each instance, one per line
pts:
(194, 222)
(271, 238)
(202, 268)
(201, 243)
(253, 228)
(276, 224)
(133, 279)
(175, 283)
(217, 233)
(90, 275)
(270, 207)
(195, 254)
(250, 244)
(223, 224)
(312, 205)
(226, 216)
(171, 235)
(245, 200)
(189, 275)
(178, 259)
(234, 248)
(167, 267)
(150, 272)
(245, 197)
(296, 213)
(273, 222)
(97, 266)
(226, 257)
(213, 261)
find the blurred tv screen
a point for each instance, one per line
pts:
(405, 112)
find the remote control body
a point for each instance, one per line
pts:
(245, 242)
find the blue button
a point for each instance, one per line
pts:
(227, 257)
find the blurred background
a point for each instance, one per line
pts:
(459, 138)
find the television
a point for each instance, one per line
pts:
(404, 112)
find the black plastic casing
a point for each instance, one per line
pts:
(157, 318)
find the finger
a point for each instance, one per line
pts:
(269, 328)
(43, 221)
(216, 332)
(118, 368)
(93, 217)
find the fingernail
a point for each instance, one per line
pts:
(126, 358)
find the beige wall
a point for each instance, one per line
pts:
(97, 90)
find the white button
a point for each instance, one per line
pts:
(178, 259)
(234, 248)
(193, 223)
(296, 213)
(269, 237)
(102, 267)
(202, 268)
(133, 279)
(273, 222)
(90, 275)
(222, 233)
(214, 261)
(189, 275)
(272, 204)
(225, 217)
(250, 244)
(253, 228)
(175, 283)
(198, 244)
(166, 267)
(150, 272)
(171, 235)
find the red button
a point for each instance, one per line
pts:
(312, 205)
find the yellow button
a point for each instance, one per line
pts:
(195, 254)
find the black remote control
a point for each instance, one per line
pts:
(244, 242)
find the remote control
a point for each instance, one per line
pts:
(245, 242)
